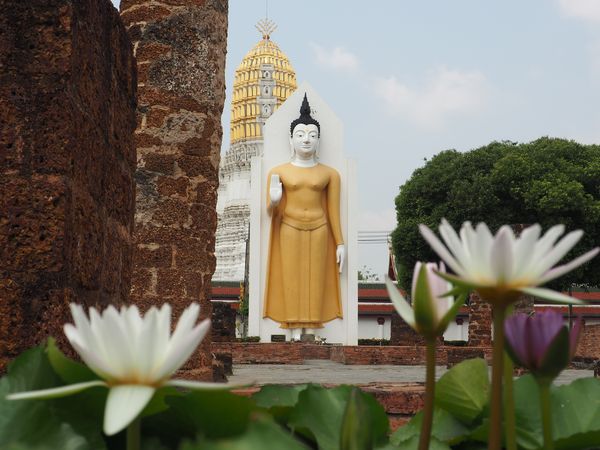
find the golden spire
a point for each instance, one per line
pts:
(266, 27)
(245, 107)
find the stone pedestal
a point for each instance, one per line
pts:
(180, 49)
(67, 159)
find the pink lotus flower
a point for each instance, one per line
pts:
(432, 308)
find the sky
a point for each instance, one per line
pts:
(412, 78)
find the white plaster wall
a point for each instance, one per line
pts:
(277, 151)
(368, 328)
(456, 332)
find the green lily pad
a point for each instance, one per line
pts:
(41, 424)
(319, 416)
(70, 371)
(278, 400)
(262, 434)
(212, 414)
(445, 428)
(463, 391)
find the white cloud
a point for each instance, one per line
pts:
(446, 93)
(581, 9)
(383, 220)
(336, 58)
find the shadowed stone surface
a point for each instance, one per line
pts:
(67, 159)
(180, 49)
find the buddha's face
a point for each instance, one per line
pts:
(305, 140)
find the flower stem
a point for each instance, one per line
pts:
(510, 425)
(495, 436)
(134, 435)
(509, 405)
(546, 408)
(429, 396)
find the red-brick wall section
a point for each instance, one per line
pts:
(480, 321)
(180, 48)
(67, 160)
(589, 342)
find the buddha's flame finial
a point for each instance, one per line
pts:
(266, 27)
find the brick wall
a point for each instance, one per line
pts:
(480, 322)
(180, 48)
(67, 159)
(257, 353)
(404, 355)
(589, 342)
(402, 334)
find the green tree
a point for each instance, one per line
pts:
(366, 274)
(547, 181)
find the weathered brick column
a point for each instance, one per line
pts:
(402, 334)
(67, 160)
(180, 48)
(480, 321)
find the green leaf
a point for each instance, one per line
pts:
(68, 370)
(355, 436)
(277, 395)
(262, 434)
(278, 400)
(319, 414)
(575, 414)
(213, 414)
(41, 424)
(158, 402)
(463, 391)
(413, 444)
(527, 413)
(445, 428)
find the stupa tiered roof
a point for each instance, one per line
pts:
(245, 108)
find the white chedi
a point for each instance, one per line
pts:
(133, 355)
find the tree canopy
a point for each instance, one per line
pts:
(547, 181)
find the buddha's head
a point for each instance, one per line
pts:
(304, 134)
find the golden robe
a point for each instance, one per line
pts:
(303, 285)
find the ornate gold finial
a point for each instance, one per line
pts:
(266, 27)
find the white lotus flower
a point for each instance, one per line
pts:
(502, 267)
(134, 356)
(432, 307)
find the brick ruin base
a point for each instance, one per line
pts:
(67, 159)
(297, 353)
(223, 322)
(480, 322)
(180, 48)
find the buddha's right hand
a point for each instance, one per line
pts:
(275, 190)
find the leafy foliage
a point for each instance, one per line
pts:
(291, 417)
(461, 418)
(547, 181)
